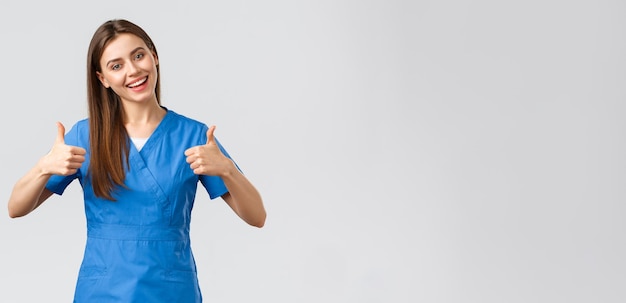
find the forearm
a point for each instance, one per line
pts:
(27, 191)
(244, 199)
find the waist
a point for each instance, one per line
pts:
(137, 232)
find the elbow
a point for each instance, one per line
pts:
(15, 211)
(258, 222)
(13, 214)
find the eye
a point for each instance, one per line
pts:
(138, 56)
(116, 66)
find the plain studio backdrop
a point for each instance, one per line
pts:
(407, 151)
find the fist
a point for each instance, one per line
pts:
(63, 159)
(208, 159)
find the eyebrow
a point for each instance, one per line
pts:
(131, 53)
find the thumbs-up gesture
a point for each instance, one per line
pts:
(208, 159)
(63, 159)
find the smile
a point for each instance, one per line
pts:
(140, 82)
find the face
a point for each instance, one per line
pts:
(129, 69)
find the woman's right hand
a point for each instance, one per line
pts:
(29, 191)
(62, 159)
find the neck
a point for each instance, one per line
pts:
(141, 119)
(142, 113)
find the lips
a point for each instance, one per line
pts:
(138, 82)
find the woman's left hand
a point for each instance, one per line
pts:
(208, 159)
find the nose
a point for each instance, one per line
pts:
(132, 69)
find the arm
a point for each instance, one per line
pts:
(242, 196)
(29, 191)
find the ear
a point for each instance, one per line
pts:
(104, 81)
(156, 58)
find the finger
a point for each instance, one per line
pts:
(75, 150)
(60, 133)
(74, 165)
(77, 159)
(209, 134)
(67, 172)
(190, 151)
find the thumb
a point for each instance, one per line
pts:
(210, 137)
(60, 133)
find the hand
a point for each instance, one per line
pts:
(63, 159)
(208, 159)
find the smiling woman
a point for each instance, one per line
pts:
(127, 66)
(139, 164)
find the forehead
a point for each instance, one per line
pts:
(122, 46)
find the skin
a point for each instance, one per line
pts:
(125, 62)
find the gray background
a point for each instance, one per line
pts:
(407, 151)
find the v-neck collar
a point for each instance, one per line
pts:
(156, 134)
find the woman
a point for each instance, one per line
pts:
(139, 164)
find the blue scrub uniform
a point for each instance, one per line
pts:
(138, 248)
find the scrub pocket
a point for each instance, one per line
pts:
(183, 276)
(92, 272)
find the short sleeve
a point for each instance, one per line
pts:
(213, 184)
(57, 184)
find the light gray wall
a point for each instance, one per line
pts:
(407, 151)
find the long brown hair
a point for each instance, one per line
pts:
(108, 138)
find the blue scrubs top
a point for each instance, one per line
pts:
(138, 247)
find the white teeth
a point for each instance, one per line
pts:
(140, 82)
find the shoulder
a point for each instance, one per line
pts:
(78, 134)
(80, 126)
(185, 121)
